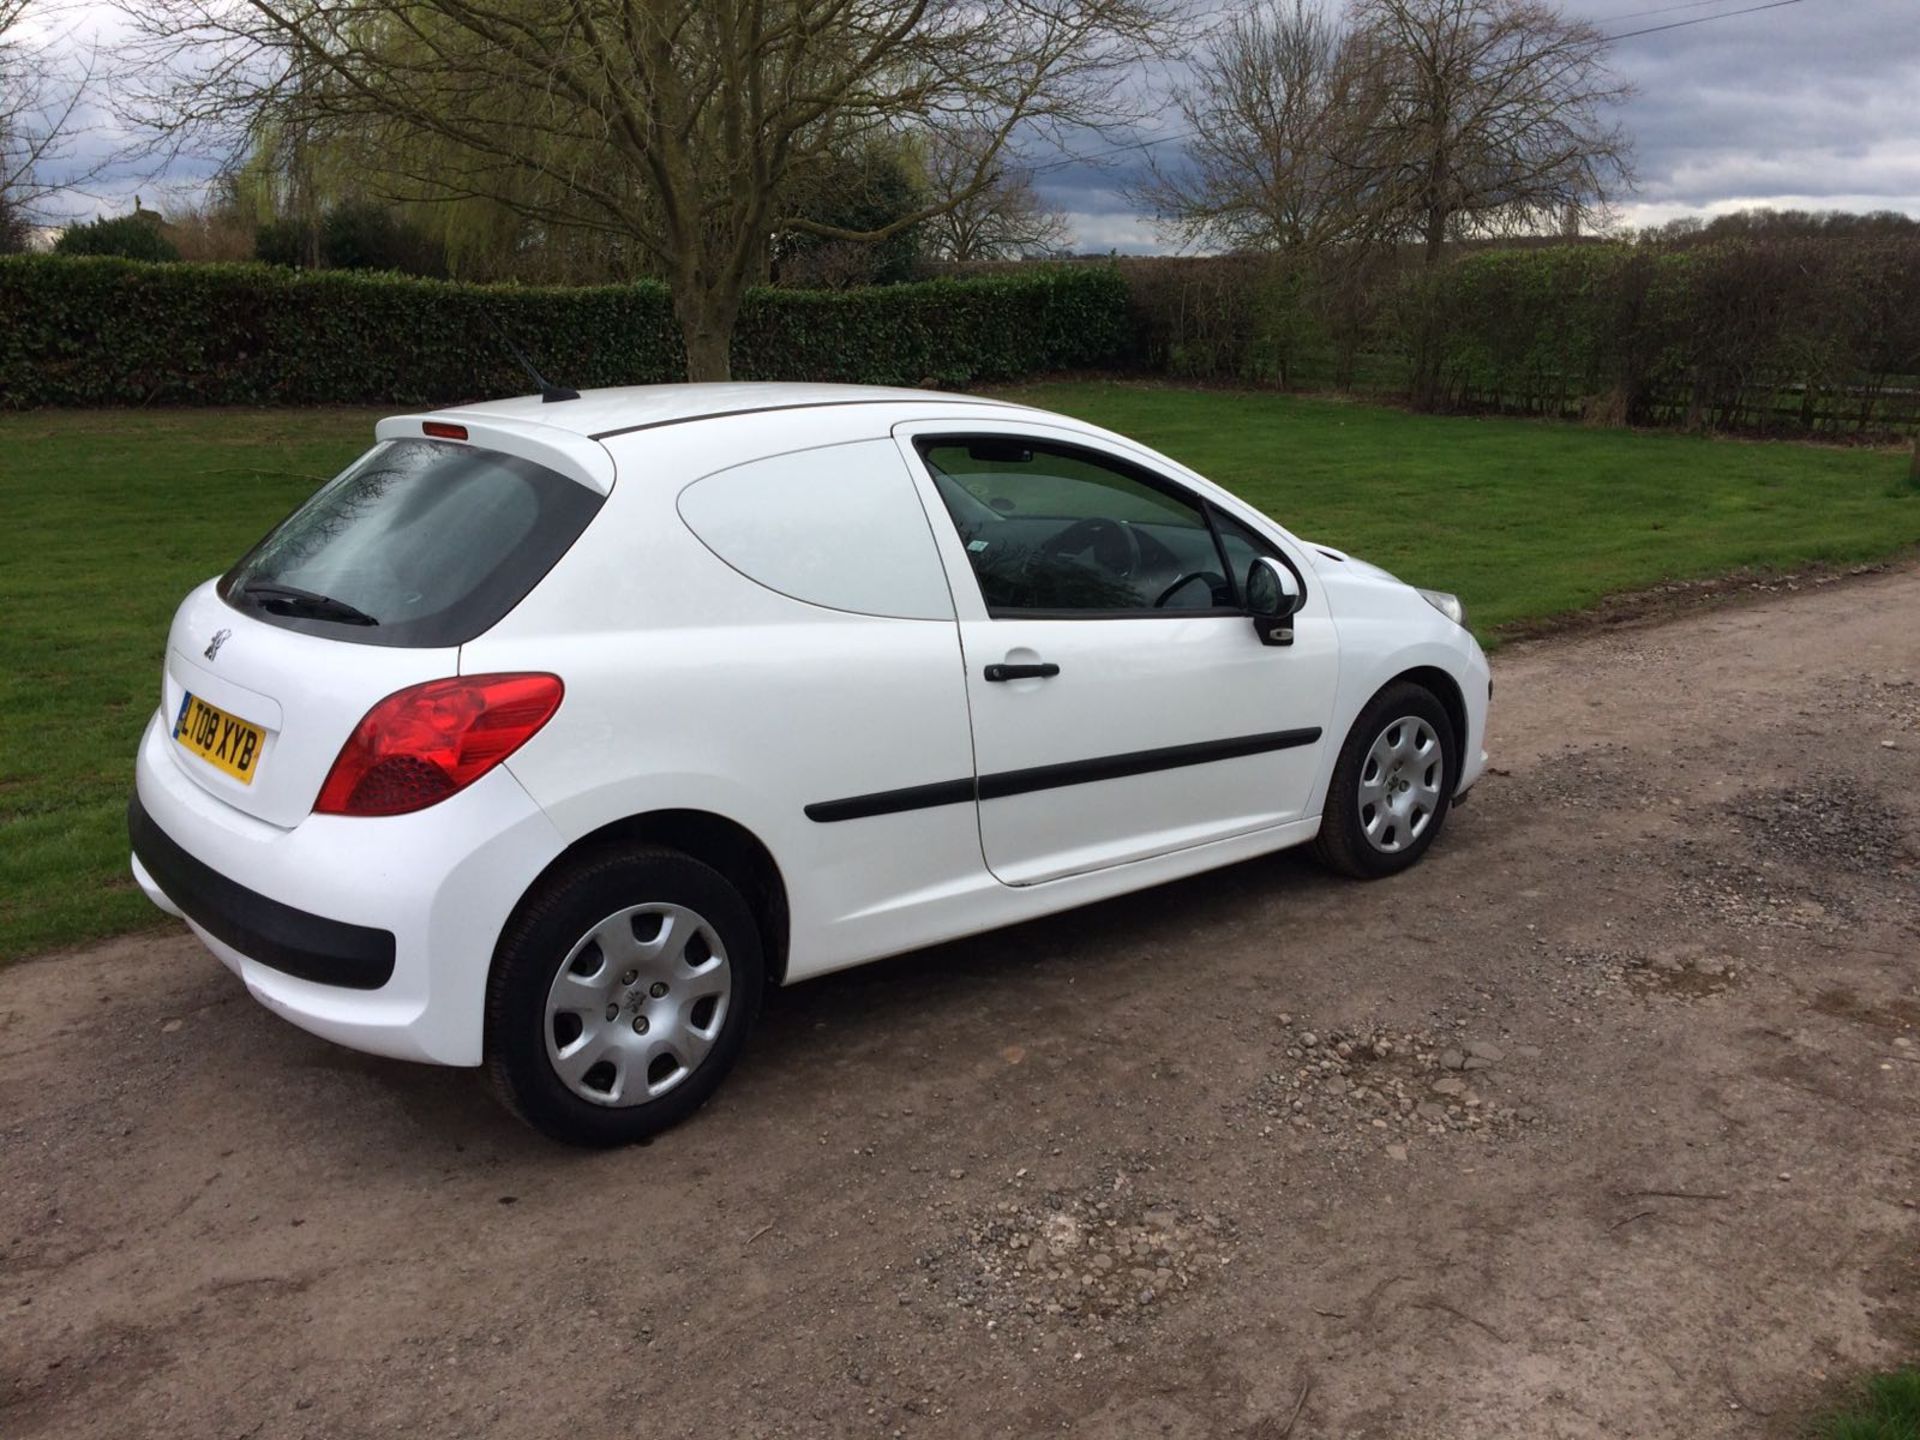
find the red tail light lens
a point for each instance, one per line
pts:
(418, 746)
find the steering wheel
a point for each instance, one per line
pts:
(1115, 547)
(1215, 580)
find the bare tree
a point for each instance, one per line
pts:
(40, 100)
(1004, 220)
(1479, 117)
(1262, 106)
(678, 124)
(1412, 119)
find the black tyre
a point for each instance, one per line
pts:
(621, 994)
(1392, 785)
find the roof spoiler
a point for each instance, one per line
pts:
(575, 456)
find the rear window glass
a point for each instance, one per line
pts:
(839, 526)
(420, 543)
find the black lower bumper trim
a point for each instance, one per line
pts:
(312, 947)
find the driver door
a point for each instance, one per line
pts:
(1122, 705)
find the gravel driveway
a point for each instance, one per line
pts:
(1603, 1122)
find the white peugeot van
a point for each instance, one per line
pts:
(549, 734)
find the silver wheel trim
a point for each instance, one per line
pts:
(1400, 784)
(637, 1004)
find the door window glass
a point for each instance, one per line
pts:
(1243, 546)
(1056, 529)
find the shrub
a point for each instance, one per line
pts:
(282, 242)
(353, 235)
(114, 332)
(361, 235)
(131, 237)
(14, 228)
(866, 191)
(211, 232)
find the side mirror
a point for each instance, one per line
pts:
(1274, 597)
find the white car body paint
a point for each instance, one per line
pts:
(692, 687)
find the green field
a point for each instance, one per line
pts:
(1524, 519)
(110, 517)
(1885, 1407)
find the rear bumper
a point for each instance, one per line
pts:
(373, 933)
(281, 937)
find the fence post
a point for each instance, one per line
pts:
(1913, 470)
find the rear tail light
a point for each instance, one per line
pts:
(420, 745)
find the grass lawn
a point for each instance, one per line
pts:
(1887, 1407)
(1523, 519)
(111, 517)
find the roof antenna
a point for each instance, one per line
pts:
(548, 393)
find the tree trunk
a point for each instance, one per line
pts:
(709, 354)
(1436, 236)
(706, 327)
(1913, 470)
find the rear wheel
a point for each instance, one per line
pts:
(1392, 784)
(621, 995)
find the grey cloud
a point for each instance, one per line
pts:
(1812, 100)
(1810, 104)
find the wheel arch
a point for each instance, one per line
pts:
(714, 840)
(1447, 691)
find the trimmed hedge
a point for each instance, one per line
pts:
(1777, 334)
(1809, 335)
(1806, 335)
(114, 332)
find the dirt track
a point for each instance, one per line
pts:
(1672, 1193)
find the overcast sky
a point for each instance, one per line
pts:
(1814, 104)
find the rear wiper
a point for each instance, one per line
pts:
(292, 600)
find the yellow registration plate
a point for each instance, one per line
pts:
(218, 738)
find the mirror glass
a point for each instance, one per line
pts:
(1272, 592)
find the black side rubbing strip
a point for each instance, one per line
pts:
(312, 947)
(892, 802)
(1139, 762)
(1053, 777)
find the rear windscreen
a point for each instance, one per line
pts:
(418, 543)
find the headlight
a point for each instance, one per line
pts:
(1447, 605)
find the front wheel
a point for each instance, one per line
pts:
(1392, 784)
(621, 995)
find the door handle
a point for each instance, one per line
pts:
(1044, 670)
